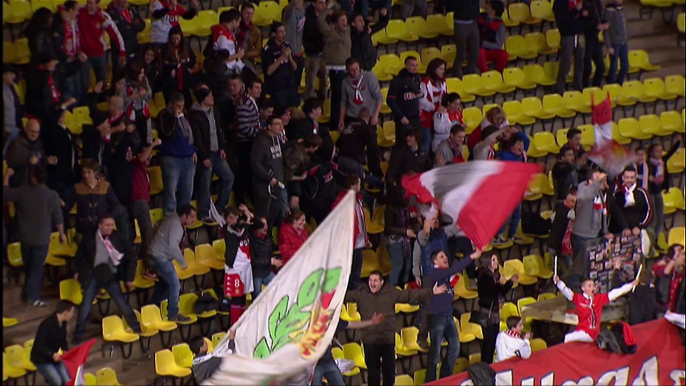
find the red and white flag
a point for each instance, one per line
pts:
(75, 360)
(607, 153)
(479, 195)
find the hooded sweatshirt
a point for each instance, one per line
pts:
(617, 33)
(383, 302)
(266, 159)
(294, 20)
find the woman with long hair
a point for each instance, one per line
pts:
(447, 115)
(292, 234)
(135, 91)
(492, 288)
(178, 61)
(39, 32)
(433, 87)
(151, 65)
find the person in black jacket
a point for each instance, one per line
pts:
(43, 88)
(262, 256)
(300, 129)
(72, 72)
(361, 33)
(102, 258)
(467, 37)
(39, 32)
(129, 23)
(208, 135)
(178, 61)
(279, 68)
(594, 22)
(403, 98)
(313, 42)
(205, 364)
(400, 228)
(26, 153)
(59, 142)
(659, 179)
(357, 139)
(569, 18)
(492, 288)
(266, 162)
(50, 338)
(634, 202)
(409, 158)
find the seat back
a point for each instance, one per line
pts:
(449, 52)
(531, 105)
(14, 255)
(513, 76)
(519, 12)
(429, 54)
(164, 361)
(552, 37)
(182, 355)
(111, 326)
(106, 376)
(675, 84)
(654, 87)
(70, 289)
(541, 9)
(391, 63)
(535, 41)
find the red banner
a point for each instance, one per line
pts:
(659, 360)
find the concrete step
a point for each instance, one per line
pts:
(665, 38)
(670, 67)
(641, 26)
(660, 55)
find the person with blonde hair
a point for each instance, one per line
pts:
(494, 117)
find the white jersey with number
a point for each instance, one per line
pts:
(242, 267)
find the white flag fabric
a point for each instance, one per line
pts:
(290, 325)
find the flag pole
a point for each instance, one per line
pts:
(555, 265)
(637, 276)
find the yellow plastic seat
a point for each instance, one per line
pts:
(493, 81)
(370, 262)
(107, 376)
(523, 302)
(554, 104)
(675, 164)
(587, 136)
(382, 37)
(18, 357)
(187, 304)
(655, 88)
(474, 358)
(183, 355)
(22, 53)
(417, 26)
(70, 289)
(391, 63)
(630, 128)
(677, 197)
(155, 176)
(546, 296)
(538, 344)
(90, 379)
(464, 336)
(337, 353)
(14, 255)
(532, 107)
(18, 11)
(517, 48)
(57, 249)
(545, 141)
(455, 85)
(473, 84)
(617, 136)
(574, 101)
(521, 13)
(536, 42)
(674, 84)
(460, 365)
(217, 337)
(514, 266)
(9, 322)
(681, 22)
(9, 371)
(640, 59)
(400, 349)
(449, 53)
(409, 338)
(469, 327)
(353, 352)
(193, 266)
(676, 236)
(377, 223)
(509, 23)
(419, 377)
(508, 309)
(462, 291)
(140, 281)
(113, 330)
(396, 29)
(651, 124)
(403, 380)
(206, 255)
(165, 366)
(438, 23)
(430, 53)
(515, 77)
(671, 122)
(542, 10)
(151, 318)
(534, 266)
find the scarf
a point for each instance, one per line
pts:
(70, 41)
(243, 33)
(659, 170)
(179, 68)
(457, 151)
(53, 90)
(572, 3)
(642, 174)
(115, 256)
(357, 86)
(513, 334)
(491, 153)
(629, 199)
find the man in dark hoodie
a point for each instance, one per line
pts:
(361, 33)
(262, 256)
(129, 23)
(313, 42)
(594, 22)
(569, 19)
(466, 34)
(208, 133)
(50, 339)
(403, 98)
(267, 170)
(409, 158)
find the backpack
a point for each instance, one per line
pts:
(481, 374)
(607, 341)
(205, 303)
(625, 337)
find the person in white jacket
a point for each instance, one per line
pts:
(511, 342)
(447, 115)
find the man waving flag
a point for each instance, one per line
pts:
(478, 195)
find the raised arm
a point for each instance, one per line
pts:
(563, 288)
(621, 291)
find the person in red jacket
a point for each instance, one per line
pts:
(93, 23)
(589, 307)
(292, 234)
(360, 238)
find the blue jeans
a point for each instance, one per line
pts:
(356, 270)
(221, 168)
(367, 5)
(89, 294)
(427, 134)
(34, 259)
(442, 326)
(177, 175)
(168, 286)
(257, 284)
(513, 223)
(326, 367)
(621, 53)
(74, 86)
(55, 374)
(400, 270)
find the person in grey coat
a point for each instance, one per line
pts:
(360, 90)
(38, 209)
(616, 41)
(167, 245)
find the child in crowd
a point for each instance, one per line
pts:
(589, 307)
(512, 342)
(205, 364)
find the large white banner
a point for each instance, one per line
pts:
(291, 324)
